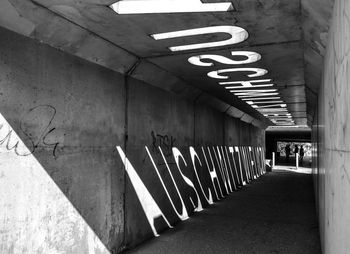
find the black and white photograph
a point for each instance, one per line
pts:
(174, 126)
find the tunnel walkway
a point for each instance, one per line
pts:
(275, 214)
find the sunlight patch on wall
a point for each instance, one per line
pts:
(35, 216)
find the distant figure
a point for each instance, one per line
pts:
(301, 153)
(296, 150)
(287, 149)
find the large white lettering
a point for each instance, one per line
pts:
(194, 157)
(238, 175)
(177, 155)
(225, 151)
(236, 33)
(184, 213)
(251, 57)
(245, 156)
(212, 173)
(149, 205)
(257, 72)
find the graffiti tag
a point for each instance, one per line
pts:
(34, 137)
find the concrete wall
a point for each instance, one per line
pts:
(63, 186)
(70, 115)
(332, 137)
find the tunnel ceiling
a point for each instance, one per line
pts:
(290, 36)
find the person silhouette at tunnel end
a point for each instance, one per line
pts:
(287, 149)
(296, 150)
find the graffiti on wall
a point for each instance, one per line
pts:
(228, 168)
(166, 142)
(281, 147)
(42, 116)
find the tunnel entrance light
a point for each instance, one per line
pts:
(257, 72)
(168, 6)
(251, 57)
(238, 35)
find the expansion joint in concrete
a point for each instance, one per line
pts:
(131, 70)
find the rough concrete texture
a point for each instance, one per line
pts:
(70, 192)
(167, 122)
(70, 114)
(299, 41)
(203, 116)
(49, 25)
(155, 119)
(276, 214)
(331, 137)
(280, 43)
(316, 17)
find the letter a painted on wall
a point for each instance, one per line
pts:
(149, 205)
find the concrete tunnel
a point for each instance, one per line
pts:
(170, 126)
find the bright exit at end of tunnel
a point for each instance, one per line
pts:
(174, 126)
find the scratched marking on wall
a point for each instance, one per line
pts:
(165, 142)
(228, 169)
(42, 116)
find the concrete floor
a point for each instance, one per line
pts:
(275, 214)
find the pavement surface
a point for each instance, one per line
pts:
(274, 214)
